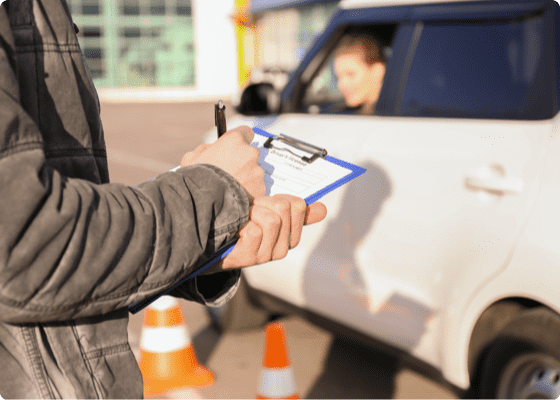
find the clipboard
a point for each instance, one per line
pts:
(290, 165)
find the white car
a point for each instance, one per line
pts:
(448, 247)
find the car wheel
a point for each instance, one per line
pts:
(240, 313)
(523, 362)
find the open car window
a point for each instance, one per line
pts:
(323, 94)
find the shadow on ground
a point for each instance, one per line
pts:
(205, 342)
(353, 370)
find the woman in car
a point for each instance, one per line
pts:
(359, 66)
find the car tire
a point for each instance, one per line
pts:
(524, 359)
(238, 314)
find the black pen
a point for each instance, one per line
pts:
(220, 116)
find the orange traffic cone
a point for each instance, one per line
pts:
(277, 377)
(167, 359)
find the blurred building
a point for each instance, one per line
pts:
(155, 48)
(168, 49)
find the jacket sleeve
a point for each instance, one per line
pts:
(70, 248)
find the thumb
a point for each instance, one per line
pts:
(245, 131)
(315, 212)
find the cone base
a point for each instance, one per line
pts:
(200, 377)
(174, 370)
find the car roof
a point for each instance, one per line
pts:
(349, 4)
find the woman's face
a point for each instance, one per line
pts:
(359, 82)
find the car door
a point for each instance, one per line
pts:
(449, 184)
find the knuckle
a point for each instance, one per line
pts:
(260, 201)
(270, 219)
(299, 205)
(253, 231)
(253, 259)
(281, 206)
(274, 220)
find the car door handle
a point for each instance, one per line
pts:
(493, 179)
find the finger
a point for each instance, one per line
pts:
(270, 223)
(245, 131)
(298, 209)
(281, 206)
(315, 212)
(245, 251)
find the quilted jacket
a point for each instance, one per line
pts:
(75, 249)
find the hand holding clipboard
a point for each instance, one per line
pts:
(293, 168)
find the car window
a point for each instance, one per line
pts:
(346, 81)
(480, 69)
(323, 91)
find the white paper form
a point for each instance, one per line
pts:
(287, 173)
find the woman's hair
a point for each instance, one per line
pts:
(368, 45)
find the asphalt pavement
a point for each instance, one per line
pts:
(146, 139)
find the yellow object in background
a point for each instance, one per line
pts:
(245, 31)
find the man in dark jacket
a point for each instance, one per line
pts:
(76, 250)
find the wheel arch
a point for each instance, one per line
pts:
(494, 312)
(488, 325)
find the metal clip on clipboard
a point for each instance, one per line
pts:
(315, 151)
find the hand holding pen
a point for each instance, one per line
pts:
(236, 149)
(234, 154)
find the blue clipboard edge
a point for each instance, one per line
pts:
(224, 251)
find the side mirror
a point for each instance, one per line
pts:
(258, 99)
